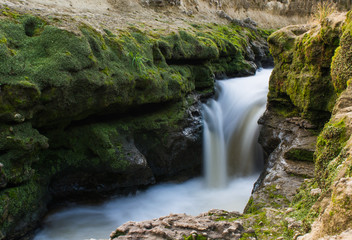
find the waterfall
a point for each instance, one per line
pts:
(231, 129)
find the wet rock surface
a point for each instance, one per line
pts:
(279, 137)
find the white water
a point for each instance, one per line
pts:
(231, 129)
(240, 96)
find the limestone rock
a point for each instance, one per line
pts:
(315, 191)
(283, 176)
(303, 55)
(179, 226)
(334, 220)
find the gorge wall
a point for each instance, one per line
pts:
(306, 135)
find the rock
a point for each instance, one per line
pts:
(162, 3)
(18, 118)
(299, 84)
(181, 225)
(248, 23)
(289, 210)
(315, 191)
(282, 177)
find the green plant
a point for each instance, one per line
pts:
(138, 61)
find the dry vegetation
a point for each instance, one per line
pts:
(323, 10)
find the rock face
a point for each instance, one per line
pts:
(301, 83)
(291, 197)
(290, 148)
(333, 166)
(94, 112)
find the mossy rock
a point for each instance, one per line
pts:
(301, 76)
(297, 154)
(341, 66)
(329, 145)
(19, 148)
(20, 207)
(55, 76)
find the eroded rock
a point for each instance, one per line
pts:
(179, 226)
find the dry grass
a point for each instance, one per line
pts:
(323, 10)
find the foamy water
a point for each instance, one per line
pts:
(231, 130)
(191, 197)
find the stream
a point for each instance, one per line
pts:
(232, 163)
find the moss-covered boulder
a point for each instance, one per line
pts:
(301, 83)
(22, 192)
(341, 67)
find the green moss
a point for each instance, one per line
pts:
(341, 66)
(303, 203)
(302, 70)
(252, 206)
(19, 205)
(329, 145)
(195, 237)
(10, 13)
(19, 147)
(297, 154)
(245, 236)
(96, 146)
(126, 67)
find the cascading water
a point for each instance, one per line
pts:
(230, 149)
(231, 129)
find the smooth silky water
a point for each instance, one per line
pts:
(232, 160)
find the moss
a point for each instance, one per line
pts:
(245, 236)
(195, 237)
(341, 67)
(302, 70)
(10, 13)
(297, 154)
(96, 146)
(126, 67)
(303, 204)
(252, 206)
(329, 145)
(19, 147)
(19, 205)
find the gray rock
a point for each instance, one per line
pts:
(282, 177)
(177, 226)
